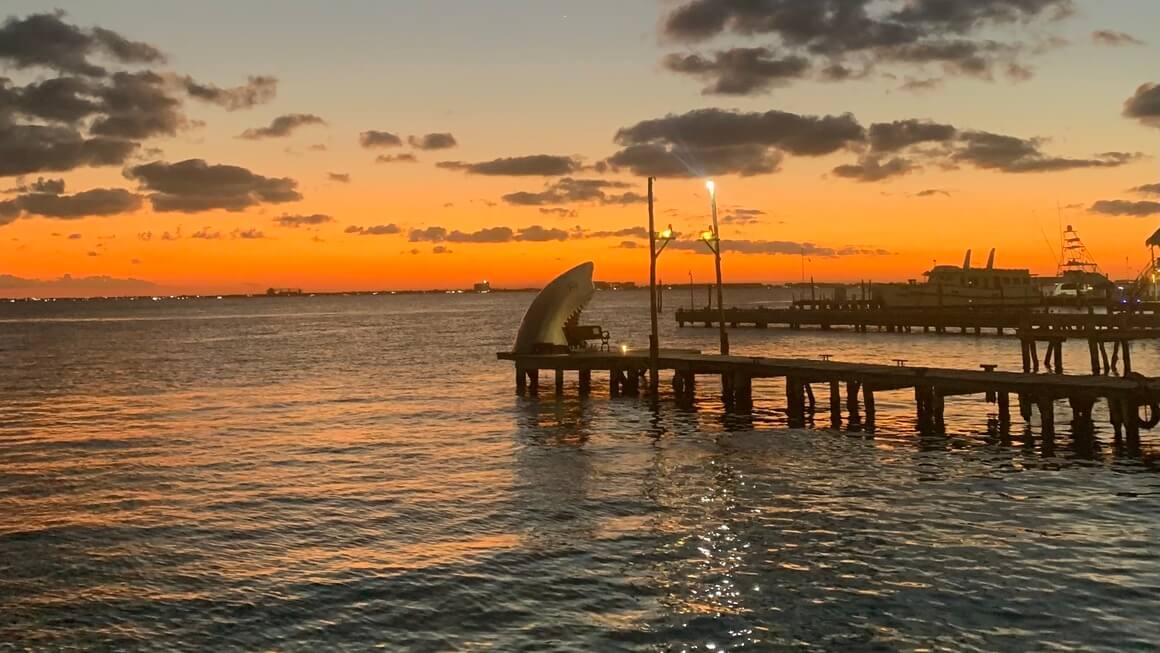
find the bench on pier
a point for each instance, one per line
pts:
(579, 336)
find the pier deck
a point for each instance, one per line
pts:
(933, 319)
(628, 371)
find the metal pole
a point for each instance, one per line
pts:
(717, 260)
(653, 346)
(692, 300)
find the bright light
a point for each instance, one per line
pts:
(624, 349)
(707, 236)
(711, 185)
(667, 234)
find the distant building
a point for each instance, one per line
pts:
(482, 287)
(615, 285)
(283, 292)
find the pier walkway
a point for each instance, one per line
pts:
(627, 374)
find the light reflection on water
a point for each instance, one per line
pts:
(330, 473)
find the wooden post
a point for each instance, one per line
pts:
(1026, 350)
(614, 383)
(1127, 357)
(1059, 357)
(632, 382)
(1093, 349)
(1004, 409)
(938, 409)
(690, 387)
(1117, 418)
(585, 383)
(1131, 418)
(868, 394)
(1034, 347)
(795, 402)
(836, 403)
(742, 392)
(560, 382)
(1047, 417)
(852, 388)
(1104, 356)
(811, 400)
(534, 382)
(521, 381)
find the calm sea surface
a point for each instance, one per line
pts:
(351, 473)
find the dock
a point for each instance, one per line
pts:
(862, 318)
(857, 384)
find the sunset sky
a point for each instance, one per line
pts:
(231, 146)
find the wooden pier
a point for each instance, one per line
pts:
(627, 376)
(927, 320)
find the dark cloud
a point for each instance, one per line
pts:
(538, 165)
(656, 160)
(60, 99)
(1017, 155)
(1114, 38)
(247, 234)
(489, 235)
(628, 244)
(433, 142)
(894, 136)
(560, 212)
(534, 233)
(573, 191)
(41, 185)
(1144, 105)
(338, 177)
(295, 221)
(440, 249)
(283, 126)
(739, 71)
(709, 142)
(1126, 208)
(27, 149)
(74, 236)
(921, 84)
(89, 203)
(430, 234)
(874, 169)
(1147, 189)
(831, 33)
(377, 230)
(373, 138)
(46, 41)
(205, 233)
(931, 192)
(137, 106)
(193, 185)
(742, 216)
(406, 157)
(258, 89)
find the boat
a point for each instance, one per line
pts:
(953, 286)
(1078, 274)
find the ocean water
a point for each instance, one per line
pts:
(356, 473)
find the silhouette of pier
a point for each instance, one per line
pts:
(627, 376)
(863, 318)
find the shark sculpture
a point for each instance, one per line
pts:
(557, 304)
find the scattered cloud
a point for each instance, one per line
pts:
(433, 142)
(282, 126)
(74, 236)
(537, 165)
(628, 244)
(89, 203)
(742, 216)
(205, 233)
(373, 138)
(629, 232)
(1113, 38)
(338, 177)
(247, 234)
(560, 212)
(572, 191)
(1147, 189)
(192, 186)
(405, 157)
(932, 192)
(258, 89)
(740, 71)
(780, 247)
(1126, 208)
(1144, 105)
(870, 169)
(47, 41)
(377, 230)
(295, 221)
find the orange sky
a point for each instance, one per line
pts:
(535, 91)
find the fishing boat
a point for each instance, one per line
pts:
(1078, 274)
(952, 286)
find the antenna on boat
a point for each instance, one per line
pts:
(967, 261)
(991, 260)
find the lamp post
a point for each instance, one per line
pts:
(712, 238)
(654, 252)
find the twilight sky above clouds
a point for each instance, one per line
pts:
(228, 147)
